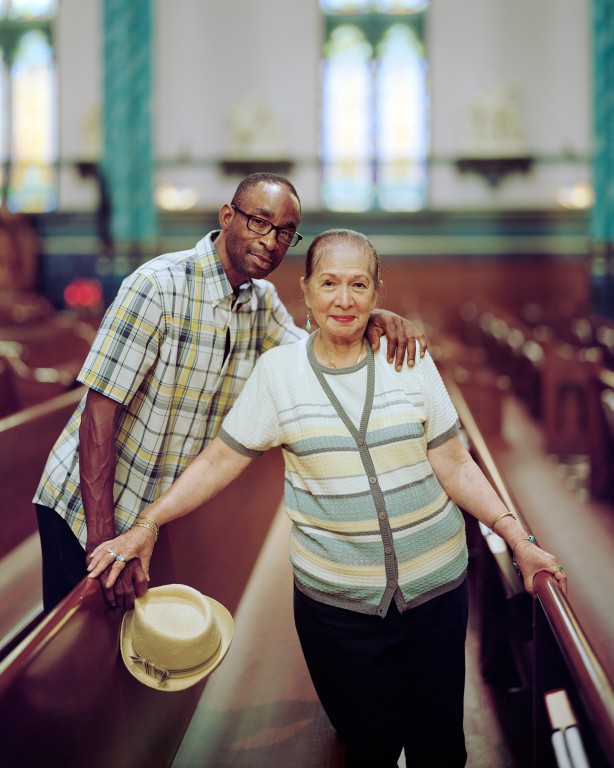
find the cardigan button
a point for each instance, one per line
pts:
(373, 480)
(360, 441)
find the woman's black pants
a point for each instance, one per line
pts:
(392, 683)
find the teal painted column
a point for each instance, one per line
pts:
(602, 220)
(128, 146)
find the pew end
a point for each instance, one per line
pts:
(67, 683)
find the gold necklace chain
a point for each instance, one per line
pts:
(332, 362)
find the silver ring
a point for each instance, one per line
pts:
(110, 551)
(120, 558)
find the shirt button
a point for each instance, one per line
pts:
(392, 583)
(382, 515)
(360, 441)
(388, 550)
(373, 480)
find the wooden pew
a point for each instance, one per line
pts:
(601, 427)
(9, 399)
(45, 358)
(66, 684)
(549, 375)
(18, 307)
(26, 437)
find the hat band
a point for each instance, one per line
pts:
(163, 674)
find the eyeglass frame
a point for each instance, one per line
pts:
(296, 237)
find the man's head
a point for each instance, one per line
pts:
(261, 199)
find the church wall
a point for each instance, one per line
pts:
(216, 60)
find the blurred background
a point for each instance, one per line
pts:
(446, 130)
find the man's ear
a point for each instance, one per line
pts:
(226, 216)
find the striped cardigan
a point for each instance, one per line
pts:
(371, 522)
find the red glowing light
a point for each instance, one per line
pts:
(83, 293)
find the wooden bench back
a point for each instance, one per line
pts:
(65, 694)
(601, 425)
(551, 376)
(26, 437)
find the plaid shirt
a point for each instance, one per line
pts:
(175, 348)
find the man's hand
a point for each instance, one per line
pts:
(401, 334)
(128, 584)
(125, 578)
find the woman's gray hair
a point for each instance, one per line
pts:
(344, 236)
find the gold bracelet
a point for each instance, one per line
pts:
(505, 514)
(147, 522)
(528, 538)
(531, 539)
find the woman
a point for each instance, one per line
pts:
(374, 470)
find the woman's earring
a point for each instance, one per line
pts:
(308, 323)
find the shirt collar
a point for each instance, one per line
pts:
(213, 271)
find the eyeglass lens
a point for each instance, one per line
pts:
(263, 227)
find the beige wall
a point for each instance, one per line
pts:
(212, 56)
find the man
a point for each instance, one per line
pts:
(171, 355)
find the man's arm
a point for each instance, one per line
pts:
(97, 462)
(210, 472)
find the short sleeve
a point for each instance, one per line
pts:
(128, 340)
(442, 419)
(252, 425)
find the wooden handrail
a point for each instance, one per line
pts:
(594, 688)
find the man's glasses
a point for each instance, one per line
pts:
(263, 227)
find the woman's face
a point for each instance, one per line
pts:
(341, 291)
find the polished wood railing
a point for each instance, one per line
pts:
(592, 683)
(594, 689)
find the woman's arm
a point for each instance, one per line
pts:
(210, 472)
(465, 483)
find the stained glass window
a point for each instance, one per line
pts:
(28, 105)
(347, 86)
(374, 113)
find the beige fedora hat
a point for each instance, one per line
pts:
(174, 637)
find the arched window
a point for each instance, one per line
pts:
(374, 114)
(28, 105)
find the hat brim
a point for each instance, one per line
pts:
(226, 626)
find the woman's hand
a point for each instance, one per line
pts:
(401, 334)
(531, 559)
(137, 542)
